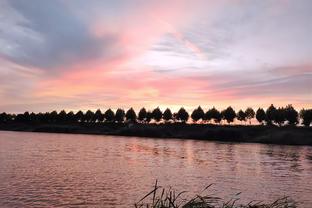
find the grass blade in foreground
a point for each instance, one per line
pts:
(161, 197)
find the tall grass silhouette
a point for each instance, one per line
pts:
(160, 197)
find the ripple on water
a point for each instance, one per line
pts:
(59, 170)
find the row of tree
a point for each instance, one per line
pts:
(279, 116)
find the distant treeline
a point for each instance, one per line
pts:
(272, 116)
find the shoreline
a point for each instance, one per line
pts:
(286, 135)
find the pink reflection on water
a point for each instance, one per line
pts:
(62, 170)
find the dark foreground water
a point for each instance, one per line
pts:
(59, 170)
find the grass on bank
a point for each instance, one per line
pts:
(161, 197)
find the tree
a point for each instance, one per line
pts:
(130, 115)
(142, 115)
(280, 116)
(271, 114)
(214, 114)
(291, 115)
(306, 116)
(182, 115)
(198, 114)
(12, 117)
(241, 116)
(229, 114)
(109, 115)
(79, 116)
(23, 117)
(70, 117)
(120, 115)
(53, 116)
(260, 115)
(20, 118)
(209, 115)
(217, 116)
(167, 115)
(250, 114)
(62, 116)
(40, 117)
(4, 117)
(45, 117)
(157, 114)
(26, 116)
(149, 116)
(99, 116)
(33, 117)
(88, 117)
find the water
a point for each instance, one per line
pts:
(63, 170)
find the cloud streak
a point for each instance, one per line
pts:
(79, 55)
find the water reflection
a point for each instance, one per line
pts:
(280, 156)
(47, 170)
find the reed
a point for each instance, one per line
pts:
(161, 197)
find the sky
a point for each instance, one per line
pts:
(77, 54)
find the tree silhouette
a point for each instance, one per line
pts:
(217, 117)
(229, 114)
(120, 115)
(157, 114)
(198, 114)
(45, 117)
(241, 116)
(149, 116)
(130, 115)
(182, 115)
(142, 115)
(40, 117)
(33, 117)
(27, 116)
(79, 116)
(280, 116)
(260, 115)
(70, 117)
(19, 118)
(214, 114)
(271, 114)
(306, 116)
(250, 114)
(109, 115)
(291, 115)
(209, 115)
(167, 115)
(99, 116)
(53, 116)
(62, 116)
(4, 117)
(23, 118)
(11, 117)
(88, 117)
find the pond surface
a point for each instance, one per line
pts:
(64, 170)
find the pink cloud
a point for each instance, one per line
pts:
(113, 78)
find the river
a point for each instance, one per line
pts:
(66, 170)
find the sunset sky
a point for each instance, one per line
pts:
(78, 54)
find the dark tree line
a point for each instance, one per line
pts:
(272, 116)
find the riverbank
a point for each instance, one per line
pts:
(287, 135)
